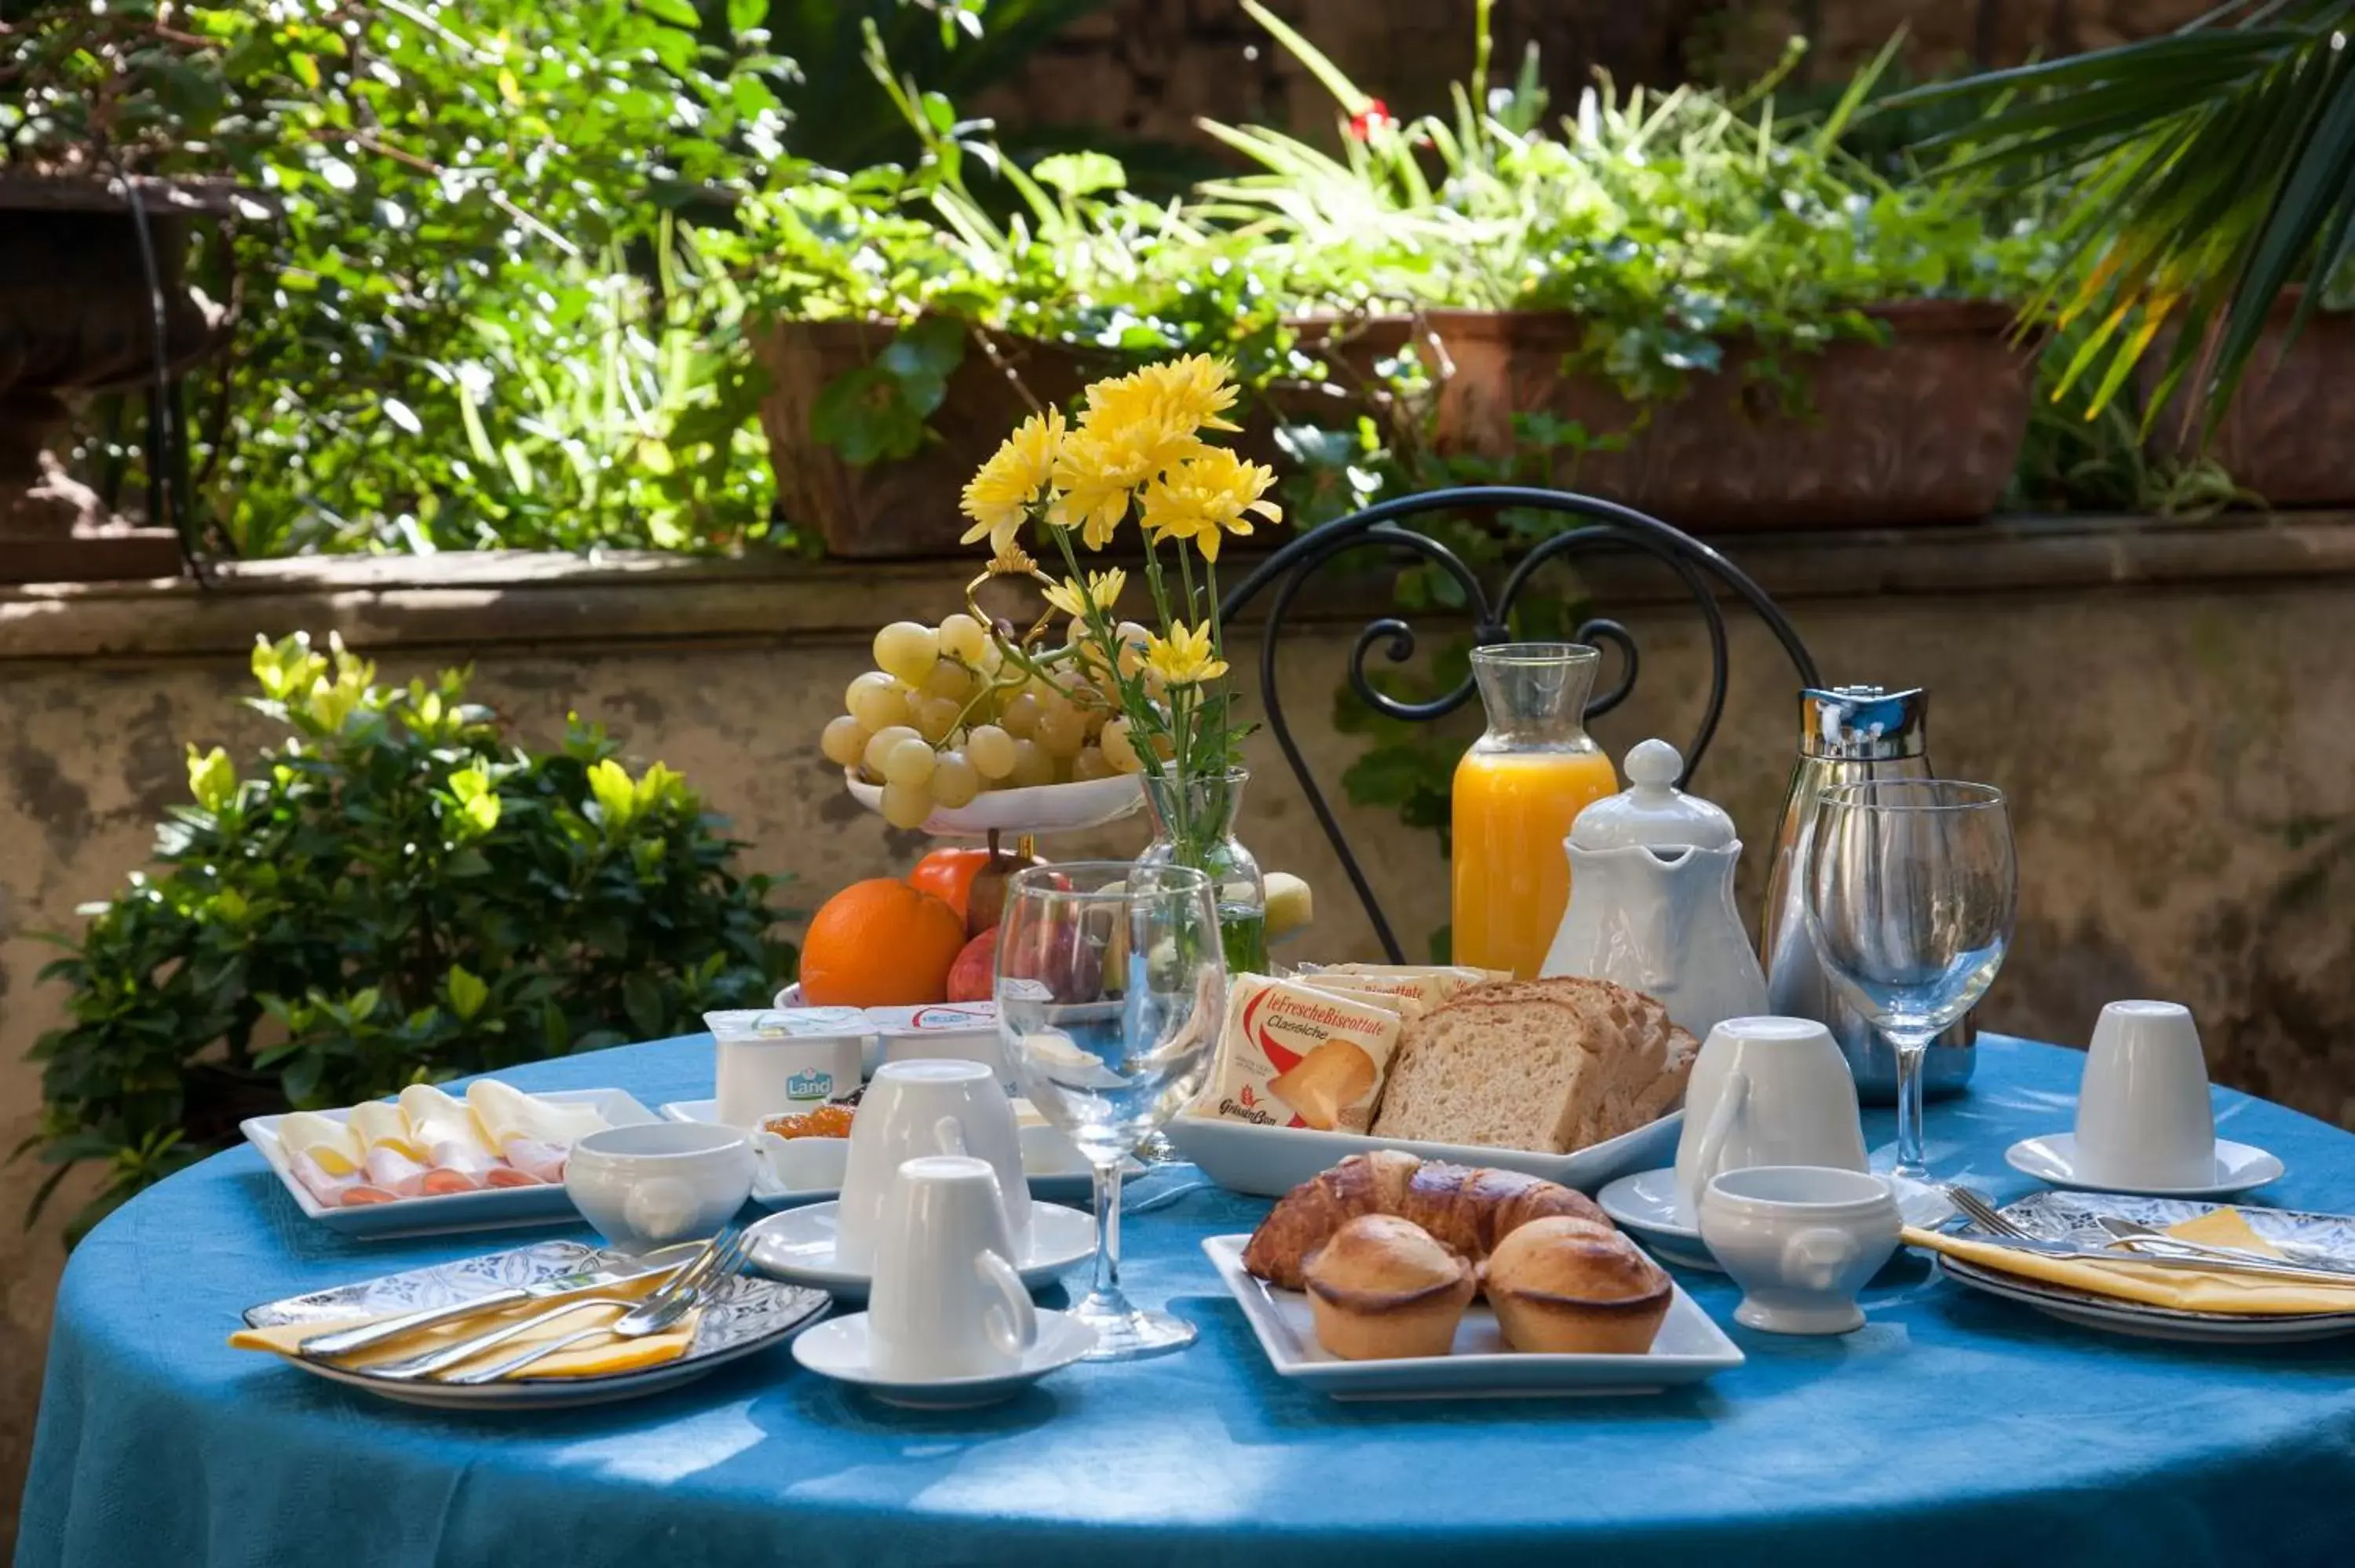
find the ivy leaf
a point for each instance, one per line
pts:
(467, 992)
(617, 797)
(212, 778)
(863, 416)
(642, 1000)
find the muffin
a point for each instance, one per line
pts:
(1383, 1288)
(1570, 1286)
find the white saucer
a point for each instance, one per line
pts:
(2052, 1158)
(797, 1245)
(837, 1349)
(1646, 1203)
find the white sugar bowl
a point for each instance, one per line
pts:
(1801, 1241)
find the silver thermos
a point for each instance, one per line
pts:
(1847, 735)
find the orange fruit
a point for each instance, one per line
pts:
(881, 943)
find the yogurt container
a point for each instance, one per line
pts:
(960, 1031)
(780, 1061)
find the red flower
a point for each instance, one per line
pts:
(1372, 118)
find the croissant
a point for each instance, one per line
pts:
(1467, 1209)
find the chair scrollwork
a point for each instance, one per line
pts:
(1595, 525)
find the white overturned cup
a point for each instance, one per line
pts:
(946, 1302)
(929, 1107)
(2143, 1114)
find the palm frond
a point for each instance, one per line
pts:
(2207, 171)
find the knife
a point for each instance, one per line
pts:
(2043, 1248)
(603, 1277)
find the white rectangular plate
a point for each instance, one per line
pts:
(490, 1209)
(799, 1171)
(1269, 1161)
(1689, 1347)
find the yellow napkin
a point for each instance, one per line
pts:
(2186, 1289)
(597, 1358)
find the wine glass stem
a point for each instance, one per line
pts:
(1911, 1157)
(1105, 1286)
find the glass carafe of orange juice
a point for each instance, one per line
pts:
(1516, 793)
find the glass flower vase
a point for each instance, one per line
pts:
(1194, 825)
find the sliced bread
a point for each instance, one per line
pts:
(1547, 1066)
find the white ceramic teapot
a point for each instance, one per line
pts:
(1651, 898)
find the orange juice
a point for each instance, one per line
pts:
(1512, 810)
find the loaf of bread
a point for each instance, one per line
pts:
(1547, 1066)
(1562, 1286)
(1383, 1287)
(1467, 1209)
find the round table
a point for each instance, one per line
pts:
(1953, 1428)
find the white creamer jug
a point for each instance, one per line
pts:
(1651, 898)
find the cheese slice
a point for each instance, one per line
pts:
(1322, 1085)
(331, 1144)
(443, 1125)
(384, 1127)
(504, 1111)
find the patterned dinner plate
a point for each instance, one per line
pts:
(2076, 1217)
(747, 1314)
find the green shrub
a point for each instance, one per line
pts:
(391, 896)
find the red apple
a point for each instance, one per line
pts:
(973, 977)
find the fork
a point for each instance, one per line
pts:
(1986, 1215)
(653, 1315)
(434, 1362)
(2127, 1234)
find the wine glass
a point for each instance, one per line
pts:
(1110, 992)
(1911, 886)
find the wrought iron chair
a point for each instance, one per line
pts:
(1599, 524)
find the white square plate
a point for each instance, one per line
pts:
(490, 1209)
(1269, 1161)
(1689, 1347)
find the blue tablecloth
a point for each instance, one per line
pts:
(1952, 1429)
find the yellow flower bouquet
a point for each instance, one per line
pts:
(975, 704)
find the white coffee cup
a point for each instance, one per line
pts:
(1766, 1091)
(2143, 1114)
(764, 1076)
(946, 1301)
(928, 1108)
(1801, 1241)
(645, 1187)
(949, 1044)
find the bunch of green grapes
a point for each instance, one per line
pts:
(944, 716)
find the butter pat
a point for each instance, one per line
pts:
(1293, 1055)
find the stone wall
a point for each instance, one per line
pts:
(1148, 68)
(2165, 705)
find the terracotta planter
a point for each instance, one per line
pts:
(908, 507)
(2289, 434)
(1924, 429)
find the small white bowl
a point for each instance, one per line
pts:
(1801, 1241)
(645, 1187)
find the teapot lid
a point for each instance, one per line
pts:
(1652, 811)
